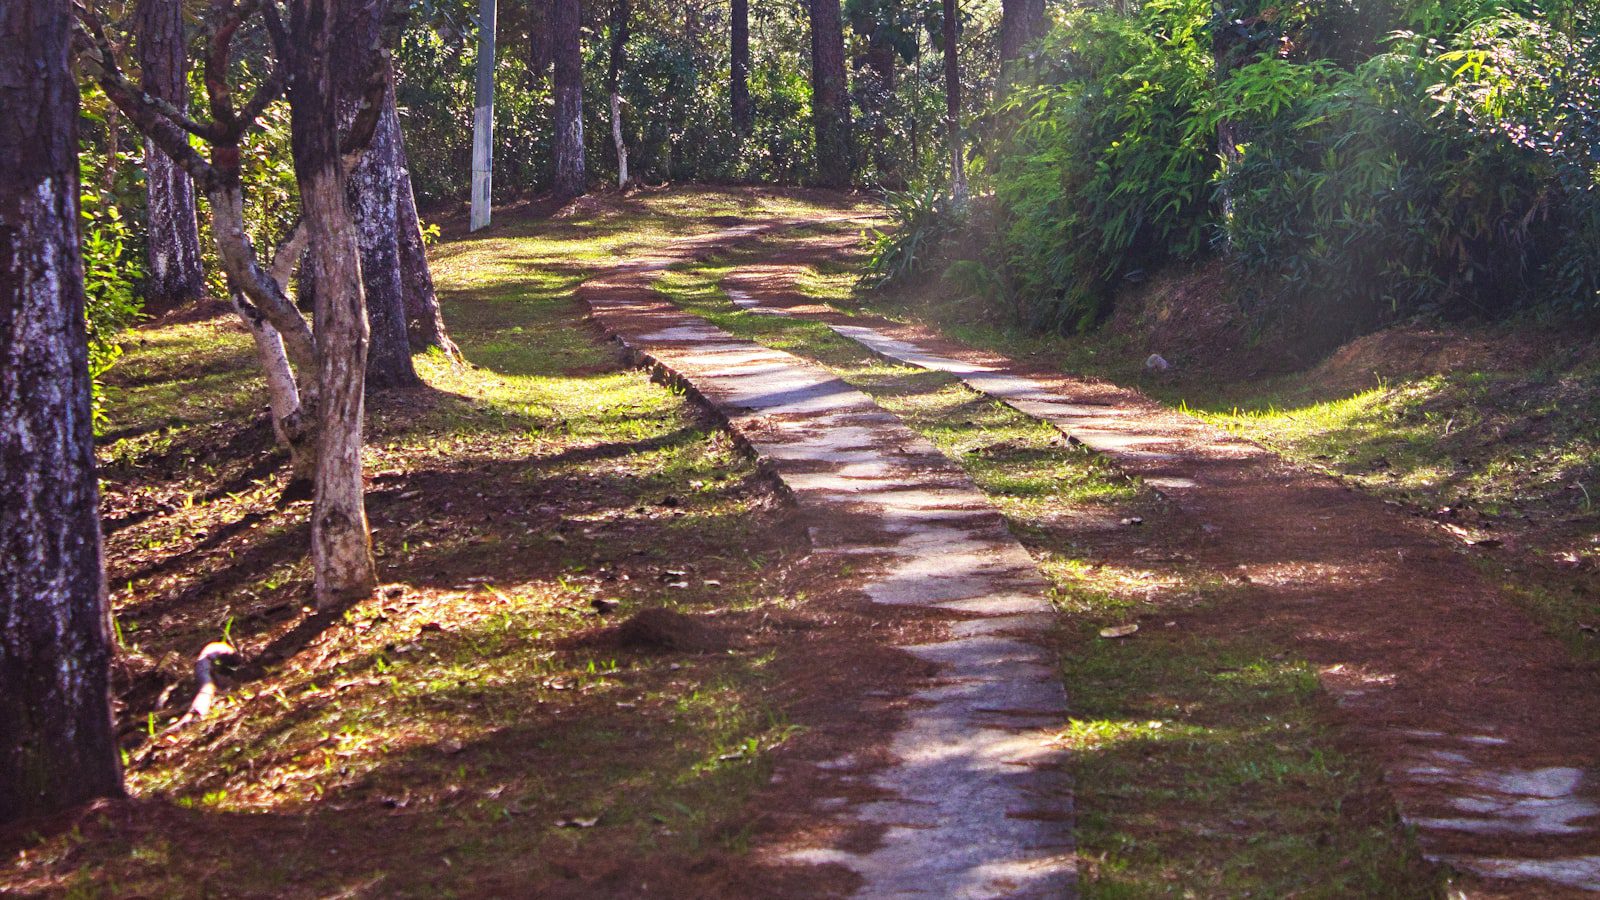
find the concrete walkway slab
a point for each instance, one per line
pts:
(976, 803)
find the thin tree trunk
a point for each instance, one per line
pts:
(175, 275)
(572, 178)
(424, 319)
(341, 546)
(619, 48)
(830, 97)
(739, 85)
(952, 101)
(57, 745)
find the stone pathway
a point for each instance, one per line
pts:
(976, 803)
(1488, 733)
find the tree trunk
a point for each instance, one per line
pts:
(372, 186)
(175, 276)
(57, 745)
(341, 547)
(619, 48)
(1021, 23)
(572, 178)
(374, 201)
(739, 85)
(540, 47)
(830, 98)
(952, 101)
(424, 319)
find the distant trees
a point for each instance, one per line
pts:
(57, 746)
(571, 171)
(830, 95)
(173, 233)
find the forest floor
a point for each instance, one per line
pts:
(485, 727)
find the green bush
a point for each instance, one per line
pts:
(1110, 168)
(113, 265)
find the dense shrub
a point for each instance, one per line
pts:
(1376, 160)
(1110, 167)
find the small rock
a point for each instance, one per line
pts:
(1157, 363)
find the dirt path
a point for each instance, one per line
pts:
(971, 801)
(1486, 728)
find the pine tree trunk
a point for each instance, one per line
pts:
(341, 546)
(572, 178)
(57, 745)
(1021, 23)
(619, 46)
(739, 86)
(540, 47)
(175, 275)
(952, 100)
(830, 97)
(424, 319)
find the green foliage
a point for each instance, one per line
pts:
(1110, 166)
(1450, 175)
(1449, 168)
(922, 222)
(113, 256)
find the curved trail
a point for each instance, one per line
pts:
(1487, 731)
(975, 803)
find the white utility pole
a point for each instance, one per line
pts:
(483, 120)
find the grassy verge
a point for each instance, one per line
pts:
(1204, 757)
(471, 725)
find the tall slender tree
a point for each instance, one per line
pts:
(57, 746)
(952, 100)
(373, 187)
(830, 96)
(175, 275)
(619, 49)
(739, 68)
(572, 175)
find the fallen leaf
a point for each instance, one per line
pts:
(1120, 631)
(576, 822)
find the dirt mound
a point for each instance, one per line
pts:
(663, 629)
(1196, 318)
(1409, 351)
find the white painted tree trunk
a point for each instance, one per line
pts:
(483, 121)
